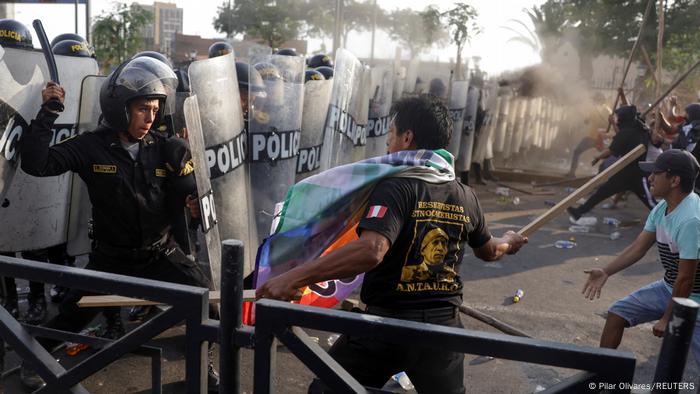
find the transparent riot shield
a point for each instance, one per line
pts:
(224, 151)
(457, 104)
(34, 211)
(80, 207)
(468, 129)
(344, 134)
(409, 86)
(317, 95)
(274, 136)
(381, 89)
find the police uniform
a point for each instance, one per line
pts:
(429, 227)
(130, 204)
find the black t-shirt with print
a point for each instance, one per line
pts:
(429, 227)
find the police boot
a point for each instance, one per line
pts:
(488, 175)
(11, 305)
(464, 177)
(115, 327)
(477, 174)
(139, 312)
(58, 293)
(212, 375)
(36, 313)
(30, 379)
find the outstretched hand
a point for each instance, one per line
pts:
(596, 279)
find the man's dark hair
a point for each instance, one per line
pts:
(428, 118)
(687, 183)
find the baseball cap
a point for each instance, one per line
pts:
(675, 161)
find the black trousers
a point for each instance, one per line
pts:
(54, 255)
(158, 267)
(618, 183)
(372, 361)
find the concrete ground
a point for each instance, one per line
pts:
(553, 307)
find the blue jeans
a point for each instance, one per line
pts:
(649, 304)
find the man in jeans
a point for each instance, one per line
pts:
(674, 225)
(411, 242)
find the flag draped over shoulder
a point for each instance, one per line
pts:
(321, 214)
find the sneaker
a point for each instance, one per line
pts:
(115, 329)
(212, 375)
(574, 216)
(58, 293)
(139, 312)
(30, 379)
(36, 313)
(11, 305)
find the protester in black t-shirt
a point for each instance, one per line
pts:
(632, 132)
(412, 241)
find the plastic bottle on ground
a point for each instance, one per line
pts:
(403, 380)
(579, 229)
(563, 244)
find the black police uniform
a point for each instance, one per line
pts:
(429, 226)
(130, 200)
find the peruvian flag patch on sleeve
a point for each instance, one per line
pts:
(376, 211)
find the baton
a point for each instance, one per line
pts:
(53, 103)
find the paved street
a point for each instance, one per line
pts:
(552, 308)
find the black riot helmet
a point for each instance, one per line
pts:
(155, 55)
(220, 48)
(319, 61)
(287, 52)
(67, 36)
(74, 37)
(268, 71)
(14, 34)
(71, 48)
(249, 79)
(136, 78)
(313, 75)
(326, 71)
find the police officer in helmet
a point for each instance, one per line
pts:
(72, 48)
(14, 34)
(250, 87)
(220, 48)
(131, 174)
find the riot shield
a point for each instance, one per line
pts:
(409, 86)
(274, 136)
(485, 140)
(80, 207)
(207, 199)
(34, 211)
(317, 95)
(399, 82)
(379, 106)
(225, 148)
(466, 146)
(457, 104)
(344, 134)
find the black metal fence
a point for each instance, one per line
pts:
(280, 321)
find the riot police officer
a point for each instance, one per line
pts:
(132, 174)
(319, 60)
(220, 48)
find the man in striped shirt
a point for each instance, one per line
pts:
(674, 225)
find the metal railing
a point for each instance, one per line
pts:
(282, 321)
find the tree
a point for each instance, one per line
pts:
(117, 34)
(272, 21)
(415, 31)
(461, 23)
(549, 22)
(357, 16)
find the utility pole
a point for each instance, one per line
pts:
(338, 25)
(374, 30)
(659, 57)
(77, 2)
(87, 21)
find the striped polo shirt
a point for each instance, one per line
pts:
(677, 237)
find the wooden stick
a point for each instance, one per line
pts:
(492, 321)
(629, 59)
(569, 200)
(670, 89)
(659, 64)
(647, 60)
(115, 300)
